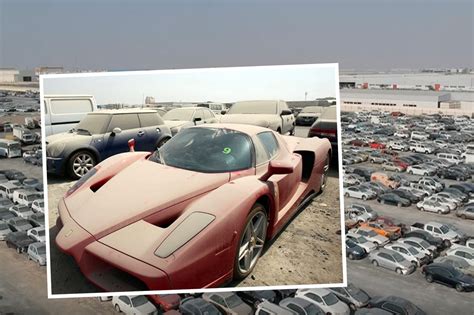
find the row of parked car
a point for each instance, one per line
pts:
(437, 248)
(311, 301)
(22, 222)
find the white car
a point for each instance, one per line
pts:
(38, 234)
(432, 206)
(463, 252)
(399, 146)
(359, 192)
(325, 299)
(443, 201)
(418, 135)
(470, 243)
(419, 244)
(367, 245)
(21, 211)
(133, 305)
(419, 170)
(370, 235)
(421, 148)
(38, 205)
(401, 134)
(409, 252)
(25, 197)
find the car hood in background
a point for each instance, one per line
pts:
(262, 120)
(137, 191)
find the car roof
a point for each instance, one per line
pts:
(221, 294)
(122, 111)
(393, 299)
(318, 291)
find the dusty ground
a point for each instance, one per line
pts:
(309, 240)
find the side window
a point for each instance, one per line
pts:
(269, 143)
(70, 106)
(261, 156)
(314, 297)
(429, 228)
(436, 230)
(124, 122)
(125, 299)
(403, 250)
(150, 119)
(218, 299)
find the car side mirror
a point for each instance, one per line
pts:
(223, 112)
(197, 119)
(286, 112)
(116, 130)
(277, 167)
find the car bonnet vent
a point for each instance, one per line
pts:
(96, 186)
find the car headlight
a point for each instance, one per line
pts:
(55, 150)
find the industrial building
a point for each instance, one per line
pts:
(8, 75)
(409, 81)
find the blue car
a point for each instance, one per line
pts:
(100, 135)
(354, 251)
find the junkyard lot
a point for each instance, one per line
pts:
(310, 239)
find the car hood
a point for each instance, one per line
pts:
(137, 191)
(309, 115)
(67, 136)
(146, 308)
(339, 309)
(466, 278)
(263, 120)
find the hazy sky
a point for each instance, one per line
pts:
(219, 85)
(135, 35)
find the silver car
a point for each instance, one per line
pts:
(365, 209)
(392, 260)
(466, 212)
(419, 244)
(370, 235)
(37, 252)
(409, 252)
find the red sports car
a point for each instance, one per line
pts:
(196, 213)
(376, 145)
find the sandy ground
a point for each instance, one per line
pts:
(311, 239)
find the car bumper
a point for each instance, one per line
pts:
(409, 270)
(55, 165)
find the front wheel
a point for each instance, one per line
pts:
(251, 242)
(117, 308)
(80, 163)
(459, 288)
(429, 278)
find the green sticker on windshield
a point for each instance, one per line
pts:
(227, 150)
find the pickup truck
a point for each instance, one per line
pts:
(438, 230)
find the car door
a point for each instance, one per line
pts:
(125, 305)
(118, 143)
(268, 148)
(287, 120)
(150, 123)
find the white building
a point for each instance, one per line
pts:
(8, 75)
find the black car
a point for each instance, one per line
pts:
(19, 224)
(394, 200)
(5, 203)
(37, 219)
(18, 240)
(451, 173)
(456, 192)
(354, 251)
(197, 306)
(256, 297)
(15, 175)
(395, 305)
(6, 215)
(448, 275)
(432, 240)
(364, 172)
(406, 195)
(465, 188)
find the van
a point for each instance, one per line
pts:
(63, 112)
(7, 190)
(10, 148)
(384, 179)
(24, 135)
(25, 197)
(450, 157)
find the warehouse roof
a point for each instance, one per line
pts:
(396, 94)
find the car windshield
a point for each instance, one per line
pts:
(41, 233)
(357, 293)
(413, 251)
(209, 309)
(424, 244)
(253, 108)
(93, 124)
(310, 109)
(41, 250)
(23, 209)
(3, 226)
(206, 150)
(444, 229)
(330, 299)
(312, 309)
(41, 203)
(233, 301)
(139, 300)
(185, 114)
(362, 239)
(371, 233)
(32, 197)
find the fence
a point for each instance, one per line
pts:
(409, 110)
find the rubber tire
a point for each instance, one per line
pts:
(279, 130)
(237, 274)
(399, 271)
(346, 195)
(351, 256)
(18, 250)
(440, 212)
(375, 263)
(463, 216)
(459, 288)
(73, 157)
(364, 197)
(429, 278)
(117, 308)
(422, 209)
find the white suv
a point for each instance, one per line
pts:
(421, 148)
(418, 135)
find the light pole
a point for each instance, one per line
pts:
(305, 96)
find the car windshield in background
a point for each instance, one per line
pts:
(15, 146)
(179, 114)
(424, 244)
(444, 229)
(412, 250)
(41, 233)
(357, 293)
(233, 301)
(206, 150)
(254, 108)
(398, 257)
(139, 300)
(312, 309)
(93, 124)
(330, 299)
(41, 250)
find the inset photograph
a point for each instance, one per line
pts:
(192, 179)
